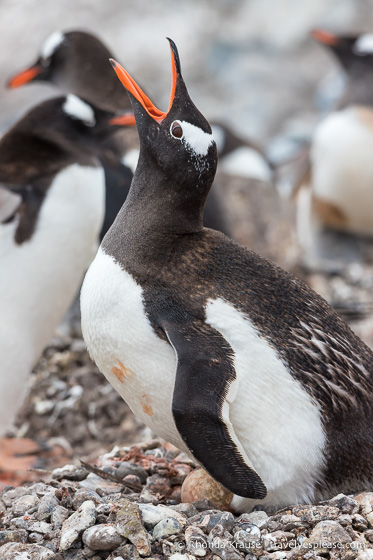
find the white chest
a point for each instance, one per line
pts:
(39, 278)
(122, 342)
(342, 165)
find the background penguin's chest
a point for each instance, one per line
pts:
(122, 342)
(343, 166)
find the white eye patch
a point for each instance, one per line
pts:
(76, 108)
(195, 139)
(51, 43)
(364, 44)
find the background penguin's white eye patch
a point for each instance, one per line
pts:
(364, 44)
(51, 44)
(176, 130)
(77, 109)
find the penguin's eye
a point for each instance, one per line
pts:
(176, 130)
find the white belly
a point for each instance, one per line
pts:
(342, 165)
(120, 339)
(39, 278)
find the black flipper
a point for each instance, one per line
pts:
(204, 373)
(28, 212)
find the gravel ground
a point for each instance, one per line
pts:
(131, 509)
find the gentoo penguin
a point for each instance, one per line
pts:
(336, 192)
(49, 234)
(78, 62)
(216, 349)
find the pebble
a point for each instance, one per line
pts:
(151, 515)
(102, 537)
(196, 542)
(365, 499)
(125, 468)
(18, 535)
(258, 518)
(59, 515)
(186, 509)
(211, 518)
(129, 525)
(82, 495)
(328, 533)
(16, 551)
(199, 485)
(24, 504)
(345, 504)
(70, 472)
(167, 527)
(48, 504)
(74, 526)
(314, 514)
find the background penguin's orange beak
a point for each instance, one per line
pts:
(24, 77)
(325, 37)
(131, 86)
(127, 119)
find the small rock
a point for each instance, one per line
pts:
(11, 494)
(167, 527)
(35, 538)
(290, 522)
(78, 522)
(186, 509)
(59, 515)
(18, 535)
(129, 525)
(41, 527)
(48, 504)
(258, 518)
(159, 485)
(16, 551)
(82, 495)
(24, 504)
(345, 520)
(196, 541)
(211, 518)
(199, 485)
(125, 468)
(345, 504)
(179, 556)
(359, 522)
(277, 540)
(102, 537)
(70, 472)
(315, 514)
(96, 483)
(245, 542)
(369, 535)
(328, 533)
(365, 500)
(151, 515)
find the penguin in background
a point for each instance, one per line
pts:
(334, 197)
(52, 204)
(216, 349)
(78, 62)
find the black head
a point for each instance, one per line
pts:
(76, 62)
(74, 125)
(354, 52)
(177, 144)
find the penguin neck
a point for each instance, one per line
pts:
(156, 213)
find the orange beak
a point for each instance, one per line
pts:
(325, 37)
(131, 86)
(24, 77)
(127, 119)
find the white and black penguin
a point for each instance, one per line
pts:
(336, 192)
(217, 350)
(78, 62)
(52, 202)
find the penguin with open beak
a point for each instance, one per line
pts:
(216, 349)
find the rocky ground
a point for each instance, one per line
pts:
(129, 508)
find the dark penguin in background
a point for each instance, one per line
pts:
(216, 349)
(78, 62)
(335, 199)
(52, 203)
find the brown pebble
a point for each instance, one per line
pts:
(199, 485)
